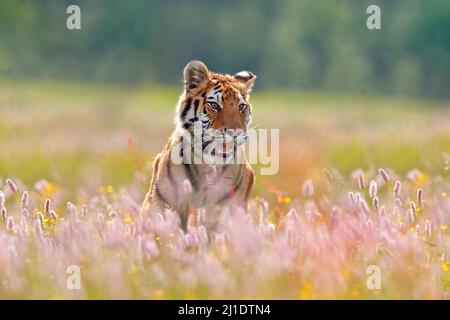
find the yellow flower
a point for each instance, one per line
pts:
(49, 189)
(444, 227)
(445, 266)
(158, 295)
(306, 291)
(421, 177)
(287, 200)
(127, 219)
(107, 189)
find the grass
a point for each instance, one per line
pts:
(93, 145)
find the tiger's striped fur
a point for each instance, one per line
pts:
(218, 103)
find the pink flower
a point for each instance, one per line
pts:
(373, 189)
(10, 224)
(53, 214)
(428, 228)
(47, 204)
(384, 174)
(25, 199)
(150, 248)
(397, 188)
(11, 185)
(84, 210)
(420, 197)
(2, 199)
(375, 203)
(308, 188)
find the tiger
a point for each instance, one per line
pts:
(216, 105)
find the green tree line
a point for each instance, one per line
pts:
(307, 44)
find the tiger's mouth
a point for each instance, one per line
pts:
(219, 148)
(224, 149)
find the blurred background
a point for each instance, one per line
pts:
(295, 44)
(90, 107)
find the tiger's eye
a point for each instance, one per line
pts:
(214, 106)
(243, 107)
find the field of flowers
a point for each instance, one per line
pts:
(363, 185)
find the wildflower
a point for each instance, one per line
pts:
(290, 234)
(150, 249)
(11, 185)
(363, 206)
(312, 214)
(25, 199)
(269, 231)
(417, 229)
(446, 161)
(397, 188)
(382, 211)
(420, 197)
(410, 215)
(26, 212)
(413, 175)
(2, 199)
(361, 180)
(38, 229)
(351, 198)
(84, 210)
(265, 206)
(292, 215)
(445, 266)
(10, 224)
(101, 218)
(113, 214)
(335, 213)
(398, 202)
(428, 228)
(3, 213)
(47, 204)
(53, 214)
(308, 188)
(375, 203)
(384, 174)
(413, 207)
(395, 211)
(328, 174)
(373, 189)
(187, 186)
(128, 219)
(40, 218)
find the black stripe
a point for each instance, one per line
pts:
(196, 102)
(186, 108)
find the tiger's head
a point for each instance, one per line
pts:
(219, 105)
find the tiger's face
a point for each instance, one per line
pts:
(218, 106)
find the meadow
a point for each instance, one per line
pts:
(75, 164)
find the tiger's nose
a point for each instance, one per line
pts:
(231, 134)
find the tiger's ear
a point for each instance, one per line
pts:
(195, 74)
(246, 78)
